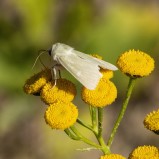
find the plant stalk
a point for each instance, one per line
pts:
(122, 112)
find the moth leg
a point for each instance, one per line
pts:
(55, 72)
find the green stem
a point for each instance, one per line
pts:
(100, 121)
(71, 135)
(105, 149)
(100, 139)
(93, 112)
(79, 121)
(121, 114)
(82, 138)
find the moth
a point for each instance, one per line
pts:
(85, 68)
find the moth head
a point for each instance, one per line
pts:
(54, 48)
(49, 51)
(60, 48)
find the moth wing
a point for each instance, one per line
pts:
(101, 63)
(85, 71)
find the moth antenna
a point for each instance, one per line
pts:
(42, 62)
(38, 57)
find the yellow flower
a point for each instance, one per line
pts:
(34, 84)
(64, 90)
(112, 156)
(104, 94)
(151, 121)
(61, 115)
(107, 74)
(135, 63)
(145, 152)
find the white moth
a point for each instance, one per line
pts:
(83, 67)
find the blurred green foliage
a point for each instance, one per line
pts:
(107, 28)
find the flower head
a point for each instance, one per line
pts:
(112, 156)
(107, 74)
(104, 94)
(145, 152)
(34, 84)
(61, 115)
(151, 121)
(64, 90)
(135, 63)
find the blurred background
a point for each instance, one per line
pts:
(105, 27)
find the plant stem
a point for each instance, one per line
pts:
(100, 121)
(96, 128)
(79, 121)
(121, 114)
(93, 112)
(99, 137)
(82, 138)
(71, 135)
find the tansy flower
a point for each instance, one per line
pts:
(34, 84)
(107, 74)
(135, 63)
(64, 90)
(145, 152)
(104, 94)
(151, 121)
(112, 156)
(61, 115)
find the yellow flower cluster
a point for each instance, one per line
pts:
(112, 156)
(105, 92)
(145, 152)
(151, 121)
(61, 113)
(64, 91)
(135, 63)
(34, 84)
